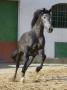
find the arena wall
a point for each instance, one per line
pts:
(26, 10)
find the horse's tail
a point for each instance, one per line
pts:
(14, 55)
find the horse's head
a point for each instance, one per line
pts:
(36, 15)
(46, 18)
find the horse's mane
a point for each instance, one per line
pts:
(36, 15)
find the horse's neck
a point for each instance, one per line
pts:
(39, 28)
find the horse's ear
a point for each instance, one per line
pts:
(43, 9)
(46, 11)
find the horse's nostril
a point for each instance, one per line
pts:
(50, 29)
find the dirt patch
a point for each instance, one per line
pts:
(49, 78)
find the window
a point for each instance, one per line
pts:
(59, 15)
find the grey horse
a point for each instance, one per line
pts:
(32, 43)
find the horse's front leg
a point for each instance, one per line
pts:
(43, 56)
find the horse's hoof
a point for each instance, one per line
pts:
(22, 79)
(38, 69)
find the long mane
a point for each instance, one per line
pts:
(36, 15)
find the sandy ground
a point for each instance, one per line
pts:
(49, 78)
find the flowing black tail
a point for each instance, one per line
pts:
(14, 55)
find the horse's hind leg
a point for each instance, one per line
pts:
(42, 54)
(17, 64)
(26, 58)
(26, 65)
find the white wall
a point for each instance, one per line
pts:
(26, 10)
